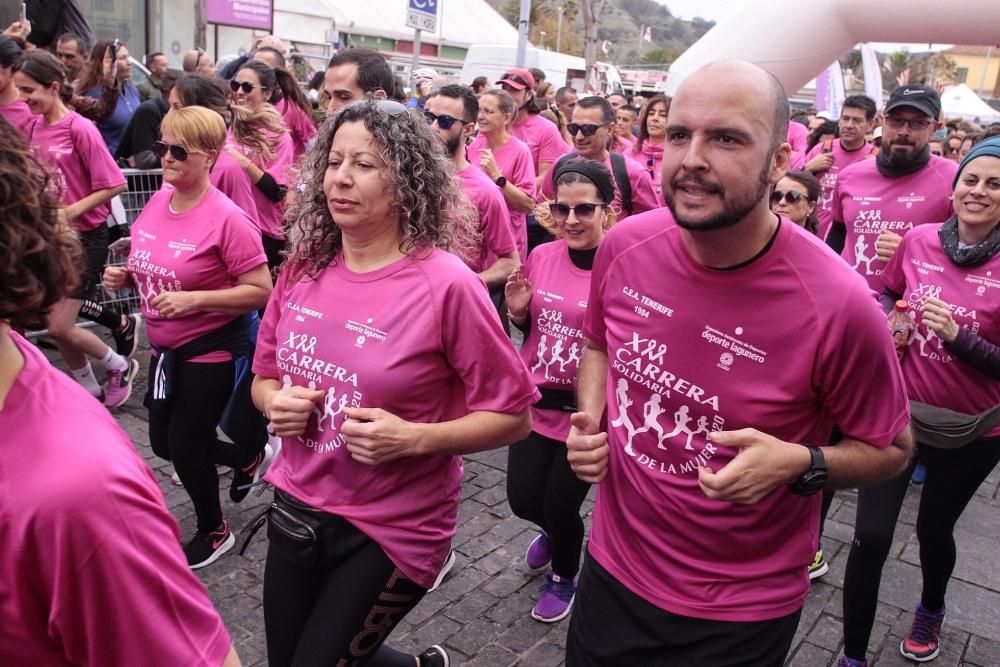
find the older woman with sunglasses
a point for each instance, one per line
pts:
(199, 267)
(952, 369)
(506, 160)
(541, 487)
(795, 197)
(380, 360)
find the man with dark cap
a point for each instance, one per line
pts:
(876, 201)
(708, 508)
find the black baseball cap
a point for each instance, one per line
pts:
(922, 98)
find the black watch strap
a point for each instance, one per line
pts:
(814, 479)
(501, 181)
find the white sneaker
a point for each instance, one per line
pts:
(445, 569)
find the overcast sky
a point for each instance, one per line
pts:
(714, 10)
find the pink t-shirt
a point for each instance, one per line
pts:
(920, 269)
(650, 157)
(622, 144)
(230, 178)
(494, 223)
(418, 338)
(867, 202)
(798, 137)
(516, 164)
(643, 197)
(93, 572)
(17, 114)
(300, 125)
(554, 345)
(205, 248)
(269, 213)
(79, 162)
(789, 345)
(542, 137)
(828, 179)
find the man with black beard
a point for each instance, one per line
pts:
(875, 202)
(453, 110)
(707, 514)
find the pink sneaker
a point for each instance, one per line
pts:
(119, 385)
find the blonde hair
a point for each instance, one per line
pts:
(258, 130)
(197, 128)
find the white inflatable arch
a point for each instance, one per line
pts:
(797, 39)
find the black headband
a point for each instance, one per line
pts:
(593, 171)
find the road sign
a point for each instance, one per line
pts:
(422, 15)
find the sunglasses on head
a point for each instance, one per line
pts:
(583, 212)
(588, 130)
(444, 121)
(246, 86)
(516, 79)
(178, 152)
(792, 197)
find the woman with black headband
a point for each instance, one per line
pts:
(541, 487)
(952, 369)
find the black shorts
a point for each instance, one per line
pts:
(95, 254)
(612, 626)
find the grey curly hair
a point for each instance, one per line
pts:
(419, 178)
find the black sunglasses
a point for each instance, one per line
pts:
(246, 86)
(792, 197)
(197, 60)
(179, 153)
(588, 130)
(583, 212)
(444, 121)
(516, 79)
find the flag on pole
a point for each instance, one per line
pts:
(830, 90)
(873, 75)
(605, 46)
(648, 35)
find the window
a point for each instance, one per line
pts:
(961, 74)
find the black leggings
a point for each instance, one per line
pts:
(953, 475)
(339, 615)
(185, 433)
(542, 488)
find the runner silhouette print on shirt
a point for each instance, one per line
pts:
(624, 403)
(574, 355)
(543, 345)
(860, 250)
(329, 411)
(681, 420)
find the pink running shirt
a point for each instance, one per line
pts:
(93, 569)
(494, 224)
(230, 178)
(554, 346)
(269, 213)
(205, 248)
(692, 350)
(933, 376)
(17, 114)
(867, 202)
(418, 338)
(643, 197)
(516, 164)
(798, 137)
(79, 162)
(542, 137)
(828, 179)
(300, 126)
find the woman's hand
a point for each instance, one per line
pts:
(518, 293)
(489, 163)
(288, 409)
(116, 278)
(175, 304)
(937, 317)
(375, 436)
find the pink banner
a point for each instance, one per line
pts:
(257, 14)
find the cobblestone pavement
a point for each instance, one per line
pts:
(481, 612)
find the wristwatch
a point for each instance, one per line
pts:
(501, 181)
(813, 479)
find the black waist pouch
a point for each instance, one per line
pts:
(305, 535)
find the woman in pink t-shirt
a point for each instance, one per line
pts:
(506, 160)
(199, 267)
(91, 569)
(380, 360)
(947, 274)
(648, 148)
(266, 152)
(541, 487)
(12, 107)
(85, 178)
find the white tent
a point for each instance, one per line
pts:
(962, 102)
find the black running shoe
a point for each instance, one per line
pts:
(127, 339)
(435, 656)
(249, 474)
(206, 548)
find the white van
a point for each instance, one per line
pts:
(492, 60)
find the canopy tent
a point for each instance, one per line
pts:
(962, 102)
